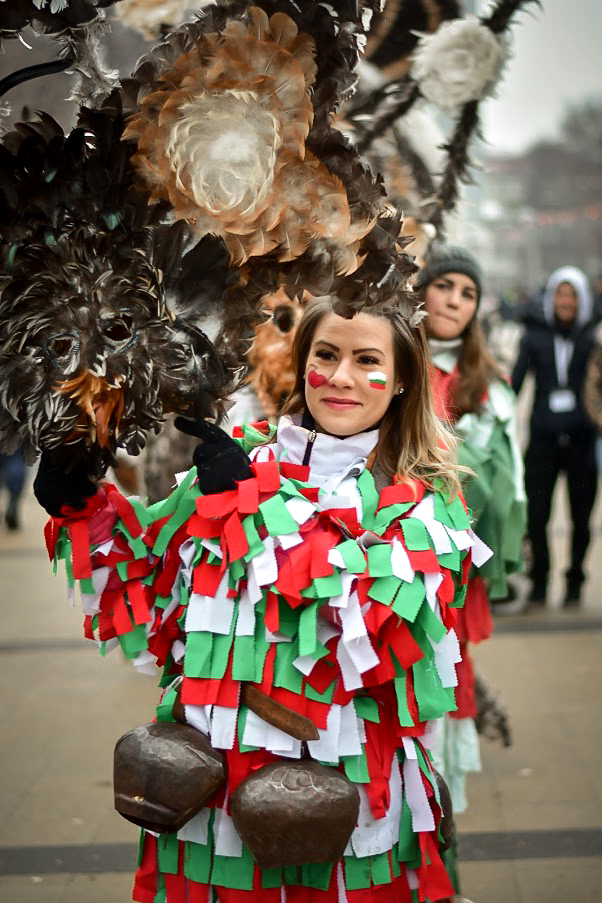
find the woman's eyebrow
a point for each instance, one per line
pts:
(364, 350)
(330, 345)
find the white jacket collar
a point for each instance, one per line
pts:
(330, 456)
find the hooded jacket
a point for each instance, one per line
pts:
(558, 357)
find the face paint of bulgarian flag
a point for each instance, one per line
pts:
(377, 379)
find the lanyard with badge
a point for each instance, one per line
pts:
(562, 399)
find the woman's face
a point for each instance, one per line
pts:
(451, 302)
(350, 373)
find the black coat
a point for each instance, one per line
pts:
(536, 354)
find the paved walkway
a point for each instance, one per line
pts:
(533, 830)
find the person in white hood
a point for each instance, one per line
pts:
(556, 348)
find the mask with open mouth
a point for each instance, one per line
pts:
(100, 332)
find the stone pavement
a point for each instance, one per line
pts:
(533, 830)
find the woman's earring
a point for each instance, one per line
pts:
(400, 391)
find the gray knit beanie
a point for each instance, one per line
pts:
(450, 259)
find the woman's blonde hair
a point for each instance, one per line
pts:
(412, 444)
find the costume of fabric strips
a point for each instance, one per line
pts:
(334, 599)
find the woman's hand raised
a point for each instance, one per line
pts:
(220, 461)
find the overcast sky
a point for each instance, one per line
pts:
(557, 60)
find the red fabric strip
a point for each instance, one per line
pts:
(80, 549)
(272, 612)
(294, 471)
(138, 597)
(145, 883)
(268, 475)
(217, 504)
(433, 879)
(126, 512)
(236, 539)
(176, 886)
(248, 496)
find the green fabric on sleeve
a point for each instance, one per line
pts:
(415, 534)
(410, 598)
(353, 556)
(277, 518)
(379, 560)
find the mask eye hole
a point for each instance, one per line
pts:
(63, 345)
(119, 329)
(283, 318)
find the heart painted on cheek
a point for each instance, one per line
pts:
(316, 379)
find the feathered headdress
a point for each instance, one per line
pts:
(222, 182)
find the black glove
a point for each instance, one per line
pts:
(221, 463)
(55, 486)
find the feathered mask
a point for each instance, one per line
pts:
(98, 341)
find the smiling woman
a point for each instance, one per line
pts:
(301, 601)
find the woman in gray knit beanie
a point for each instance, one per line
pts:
(477, 403)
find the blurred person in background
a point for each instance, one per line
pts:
(12, 478)
(556, 347)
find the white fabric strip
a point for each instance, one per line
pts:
(227, 838)
(223, 726)
(196, 829)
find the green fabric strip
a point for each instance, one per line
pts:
(387, 515)
(167, 506)
(197, 862)
(353, 556)
(255, 543)
(357, 872)
(415, 534)
(308, 623)
(277, 517)
(356, 768)
(317, 874)
(134, 642)
(243, 658)
(381, 872)
(222, 643)
(285, 673)
(168, 853)
(379, 560)
(410, 598)
(366, 707)
(433, 699)
(434, 628)
(197, 657)
(408, 848)
(370, 498)
(233, 871)
(169, 529)
(383, 589)
(405, 718)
